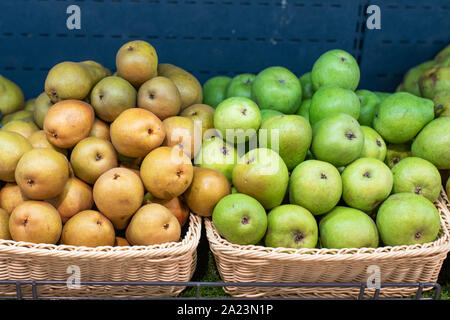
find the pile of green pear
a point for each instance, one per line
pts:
(316, 162)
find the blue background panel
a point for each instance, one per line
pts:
(221, 37)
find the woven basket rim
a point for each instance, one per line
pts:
(188, 243)
(441, 245)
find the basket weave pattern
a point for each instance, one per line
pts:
(174, 261)
(251, 263)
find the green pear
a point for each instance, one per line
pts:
(241, 86)
(112, 95)
(433, 80)
(215, 89)
(407, 219)
(335, 68)
(18, 115)
(73, 80)
(218, 155)
(401, 116)
(262, 174)
(418, 176)
(277, 88)
(374, 145)
(315, 185)
(338, 140)
(240, 219)
(348, 228)
(411, 78)
(24, 127)
(291, 226)
(11, 97)
(433, 143)
(366, 183)
(442, 104)
(369, 102)
(329, 101)
(307, 86)
(382, 95)
(269, 113)
(12, 147)
(303, 110)
(41, 107)
(397, 152)
(289, 135)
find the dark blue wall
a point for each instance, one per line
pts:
(211, 37)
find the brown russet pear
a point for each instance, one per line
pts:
(121, 242)
(4, 225)
(203, 114)
(12, 147)
(11, 196)
(184, 133)
(167, 172)
(100, 129)
(91, 157)
(137, 62)
(118, 193)
(36, 222)
(88, 228)
(190, 89)
(160, 96)
(42, 173)
(68, 122)
(11, 96)
(23, 127)
(176, 205)
(41, 107)
(73, 80)
(75, 197)
(207, 188)
(136, 132)
(39, 140)
(153, 224)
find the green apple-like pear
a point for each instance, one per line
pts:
(215, 89)
(366, 183)
(335, 68)
(262, 174)
(329, 101)
(433, 80)
(307, 86)
(291, 226)
(268, 113)
(338, 140)
(412, 76)
(315, 185)
(433, 143)
(290, 135)
(345, 227)
(407, 219)
(442, 104)
(418, 176)
(218, 155)
(237, 119)
(303, 110)
(401, 116)
(369, 102)
(241, 86)
(240, 219)
(374, 145)
(277, 88)
(397, 152)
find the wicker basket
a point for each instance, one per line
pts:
(400, 264)
(174, 261)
